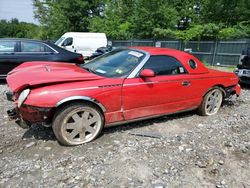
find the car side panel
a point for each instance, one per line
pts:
(42, 56)
(107, 92)
(7, 63)
(8, 60)
(154, 96)
(151, 99)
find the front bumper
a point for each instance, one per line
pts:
(34, 114)
(237, 89)
(232, 90)
(13, 115)
(27, 115)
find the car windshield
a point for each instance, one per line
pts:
(59, 40)
(115, 64)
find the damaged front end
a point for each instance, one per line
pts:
(26, 115)
(232, 90)
(13, 115)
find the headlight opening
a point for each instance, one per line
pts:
(24, 94)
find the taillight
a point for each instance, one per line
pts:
(80, 59)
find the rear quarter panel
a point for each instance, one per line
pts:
(202, 79)
(202, 83)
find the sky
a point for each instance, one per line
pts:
(21, 9)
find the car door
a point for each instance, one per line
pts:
(164, 93)
(8, 57)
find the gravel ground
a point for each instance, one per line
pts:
(185, 150)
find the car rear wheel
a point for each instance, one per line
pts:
(211, 102)
(77, 123)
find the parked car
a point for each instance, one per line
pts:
(13, 52)
(82, 42)
(124, 85)
(243, 68)
(100, 51)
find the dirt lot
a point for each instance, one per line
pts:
(188, 151)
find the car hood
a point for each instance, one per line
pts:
(41, 73)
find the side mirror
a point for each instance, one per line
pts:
(147, 73)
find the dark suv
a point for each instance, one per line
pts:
(13, 52)
(243, 68)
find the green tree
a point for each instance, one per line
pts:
(14, 28)
(228, 12)
(60, 16)
(153, 14)
(116, 19)
(125, 19)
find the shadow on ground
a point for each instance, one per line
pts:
(3, 82)
(148, 122)
(39, 132)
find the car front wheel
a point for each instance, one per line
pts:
(77, 123)
(211, 102)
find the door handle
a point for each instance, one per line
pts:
(186, 83)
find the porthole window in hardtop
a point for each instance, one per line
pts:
(192, 64)
(164, 65)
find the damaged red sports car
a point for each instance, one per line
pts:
(124, 85)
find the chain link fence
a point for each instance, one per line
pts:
(220, 53)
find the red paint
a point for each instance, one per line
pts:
(146, 73)
(33, 74)
(123, 98)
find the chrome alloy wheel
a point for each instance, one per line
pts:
(213, 102)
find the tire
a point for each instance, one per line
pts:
(77, 123)
(211, 103)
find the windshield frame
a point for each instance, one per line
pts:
(133, 72)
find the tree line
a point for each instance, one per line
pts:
(14, 28)
(141, 19)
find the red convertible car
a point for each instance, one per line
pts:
(124, 85)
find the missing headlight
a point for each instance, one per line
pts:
(24, 94)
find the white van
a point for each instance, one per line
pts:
(82, 43)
